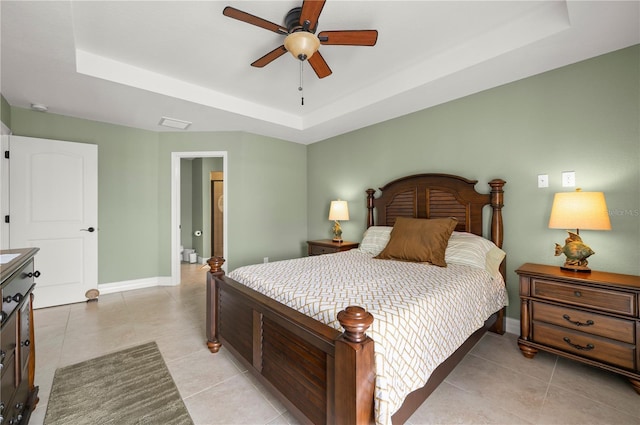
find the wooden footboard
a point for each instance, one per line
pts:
(321, 375)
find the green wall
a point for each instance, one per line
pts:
(198, 203)
(5, 111)
(134, 185)
(186, 203)
(581, 118)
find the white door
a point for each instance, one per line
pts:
(53, 203)
(4, 185)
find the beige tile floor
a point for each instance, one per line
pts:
(494, 384)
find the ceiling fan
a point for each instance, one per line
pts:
(300, 26)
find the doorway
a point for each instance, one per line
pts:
(176, 219)
(217, 213)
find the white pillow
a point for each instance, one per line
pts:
(375, 239)
(473, 250)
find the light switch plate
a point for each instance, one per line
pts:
(543, 180)
(568, 179)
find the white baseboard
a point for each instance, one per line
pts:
(513, 326)
(129, 285)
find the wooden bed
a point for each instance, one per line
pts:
(321, 375)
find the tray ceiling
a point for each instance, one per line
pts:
(131, 63)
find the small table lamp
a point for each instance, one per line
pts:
(578, 210)
(338, 211)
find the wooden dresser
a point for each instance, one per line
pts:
(18, 394)
(327, 246)
(590, 317)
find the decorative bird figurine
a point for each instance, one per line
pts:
(576, 251)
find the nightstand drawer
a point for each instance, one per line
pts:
(327, 246)
(319, 250)
(598, 298)
(584, 321)
(585, 345)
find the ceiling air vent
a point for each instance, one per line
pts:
(174, 123)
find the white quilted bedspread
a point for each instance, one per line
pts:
(422, 313)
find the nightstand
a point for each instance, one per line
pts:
(592, 317)
(327, 246)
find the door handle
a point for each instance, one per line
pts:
(90, 230)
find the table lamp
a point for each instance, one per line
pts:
(578, 210)
(338, 211)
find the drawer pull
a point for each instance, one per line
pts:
(577, 323)
(589, 347)
(577, 293)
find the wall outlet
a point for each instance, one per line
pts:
(543, 180)
(568, 179)
(265, 259)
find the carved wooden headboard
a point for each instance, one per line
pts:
(437, 196)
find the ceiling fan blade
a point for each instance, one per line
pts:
(310, 12)
(319, 65)
(270, 57)
(349, 38)
(253, 20)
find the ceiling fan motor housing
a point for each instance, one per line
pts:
(293, 24)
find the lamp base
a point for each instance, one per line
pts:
(579, 269)
(576, 252)
(337, 232)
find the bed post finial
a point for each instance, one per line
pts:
(355, 320)
(497, 199)
(216, 265)
(370, 193)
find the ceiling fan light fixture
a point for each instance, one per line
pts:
(301, 44)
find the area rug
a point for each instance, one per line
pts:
(131, 386)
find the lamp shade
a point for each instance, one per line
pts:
(301, 44)
(579, 210)
(339, 211)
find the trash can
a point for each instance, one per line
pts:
(193, 257)
(186, 254)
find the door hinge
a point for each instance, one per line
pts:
(6, 154)
(6, 218)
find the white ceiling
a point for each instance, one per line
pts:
(130, 63)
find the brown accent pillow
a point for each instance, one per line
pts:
(419, 240)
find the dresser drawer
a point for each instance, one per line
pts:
(584, 321)
(586, 296)
(585, 345)
(8, 338)
(8, 381)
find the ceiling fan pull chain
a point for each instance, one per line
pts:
(300, 87)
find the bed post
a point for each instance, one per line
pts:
(370, 221)
(213, 296)
(497, 232)
(354, 369)
(497, 199)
